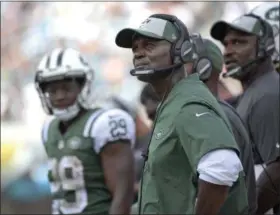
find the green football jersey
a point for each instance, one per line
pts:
(75, 171)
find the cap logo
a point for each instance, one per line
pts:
(154, 25)
(145, 22)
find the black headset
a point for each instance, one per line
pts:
(266, 44)
(181, 50)
(202, 65)
(188, 48)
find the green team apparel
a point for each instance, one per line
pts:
(75, 172)
(190, 123)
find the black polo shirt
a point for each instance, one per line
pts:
(259, 109)
(246, 154)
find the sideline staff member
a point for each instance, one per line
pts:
(192, 154)
(212, 52)
(249, 45)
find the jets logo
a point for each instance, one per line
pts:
(74, 143)
(144, 23)
(272, 14)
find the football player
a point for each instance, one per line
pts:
(91, 168)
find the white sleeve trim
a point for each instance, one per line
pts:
(221, 167)
(91, 119)
(110, 126)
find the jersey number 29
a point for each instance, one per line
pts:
(118, 128)
(64, 182)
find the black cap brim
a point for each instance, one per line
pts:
(125, 37)
(220, 29)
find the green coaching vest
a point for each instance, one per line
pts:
(167, 187)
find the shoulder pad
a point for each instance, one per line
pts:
(112, 125)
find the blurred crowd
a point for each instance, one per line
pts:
(30, 29)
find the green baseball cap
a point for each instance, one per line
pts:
(245, 23)
(152, 27)
(214, 54)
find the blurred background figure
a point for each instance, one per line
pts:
(30, 29)
(150, 100)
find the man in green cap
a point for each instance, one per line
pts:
(241, 135)
(249, 46)
(192, 164)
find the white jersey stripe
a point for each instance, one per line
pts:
(53, 58)
(91, 119)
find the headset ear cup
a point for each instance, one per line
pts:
(187, 52)
(266, 48)
(266, 43)
(204, 68)
(261, 49)
(270, 47)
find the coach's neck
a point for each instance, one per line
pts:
(163, 86)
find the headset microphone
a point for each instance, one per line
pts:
(147, 71)
(239, 69)
(141, 71)
(232, 72)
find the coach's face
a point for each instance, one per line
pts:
(240, 48)
(151, 53)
